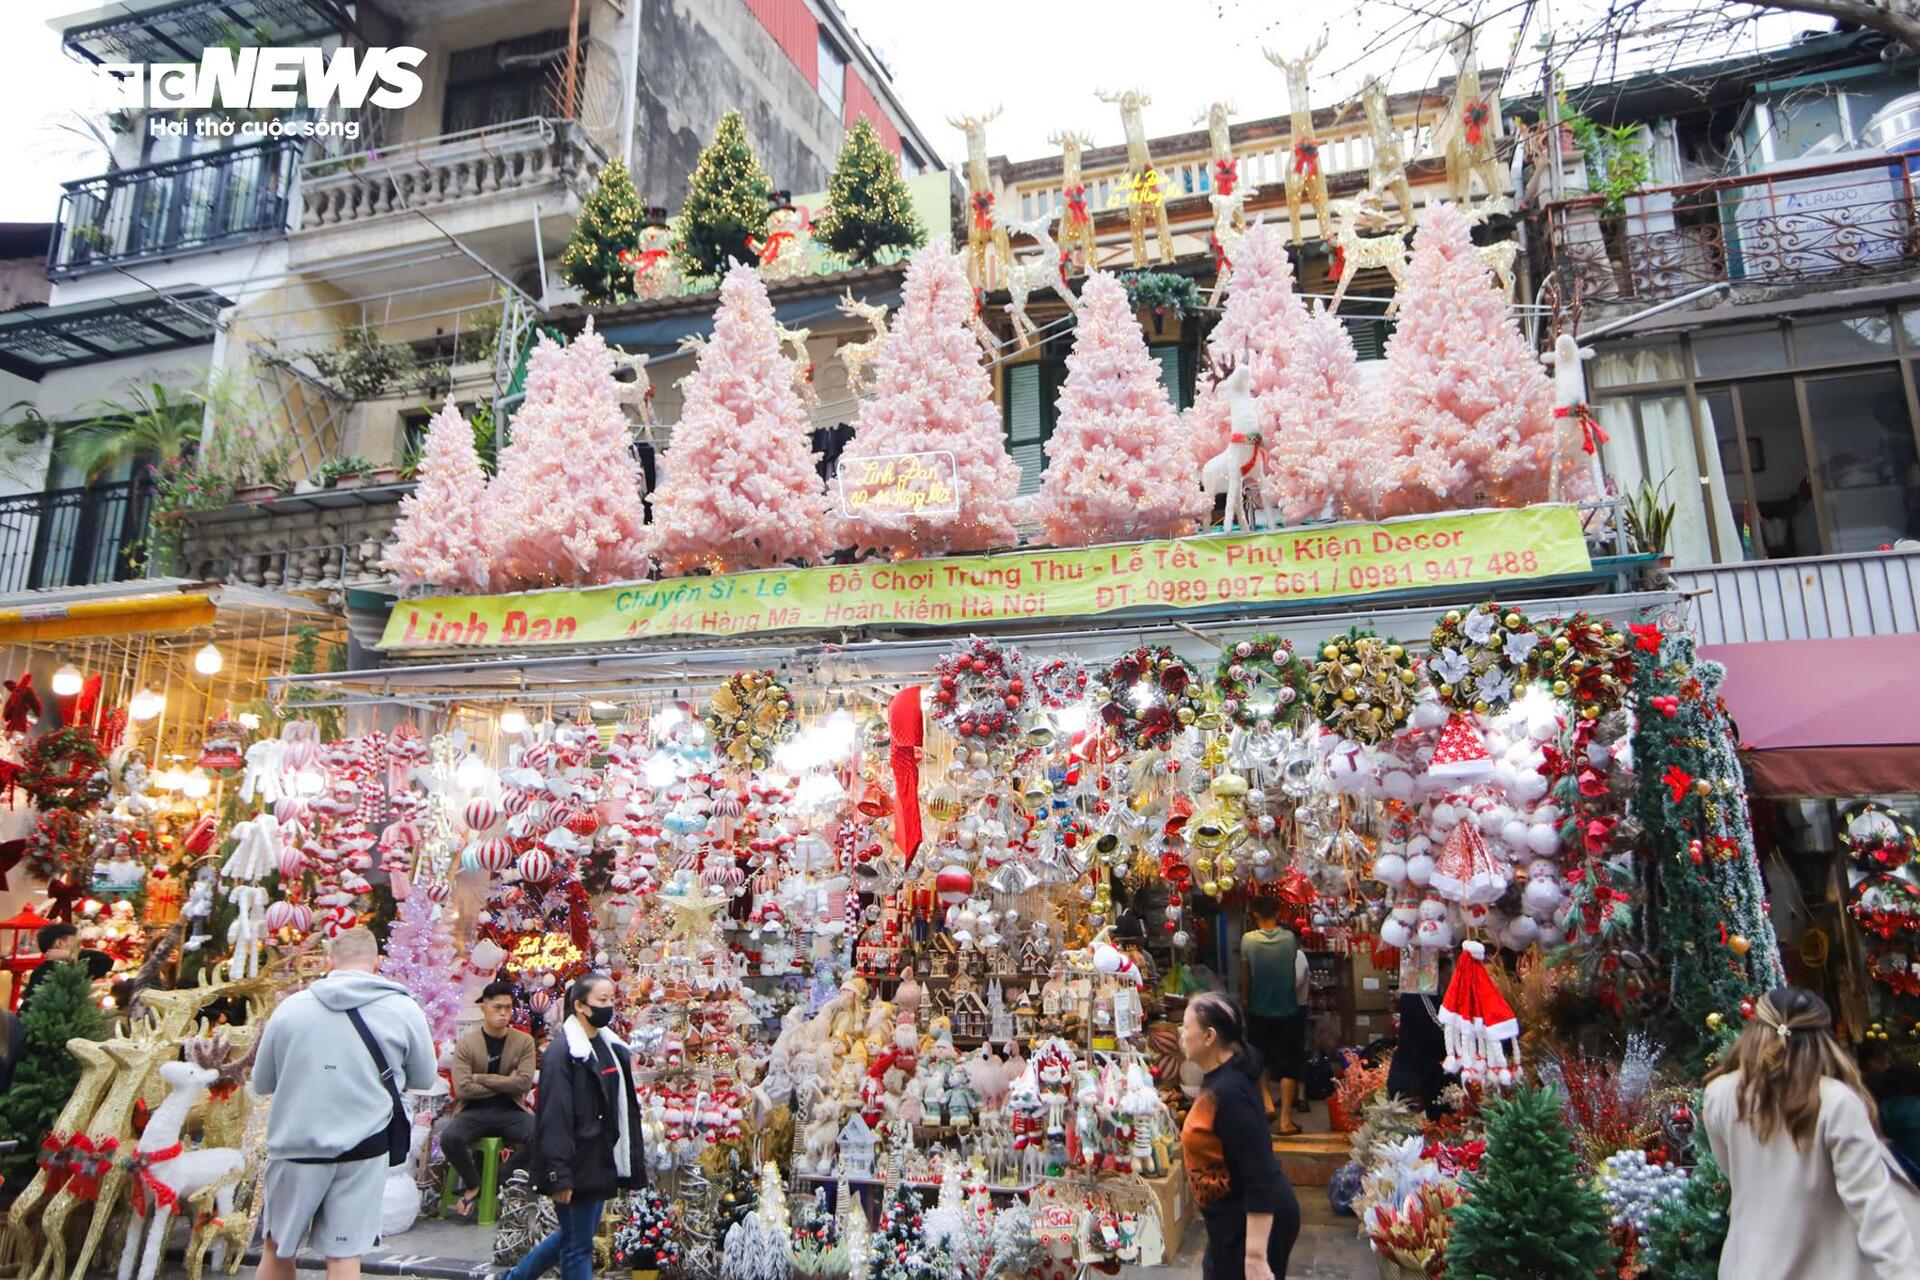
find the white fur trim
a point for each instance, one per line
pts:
(580, 1049)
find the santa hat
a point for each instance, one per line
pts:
(1461, 754)
(1465, 871)
(1478, 1023)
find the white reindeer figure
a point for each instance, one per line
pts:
(1043, 271)
(795, 342)
(856, 356)
(639, 392)
(165, 1173)
(1230, 471)
(1568, 361)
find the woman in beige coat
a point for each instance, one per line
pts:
(1815, 1192)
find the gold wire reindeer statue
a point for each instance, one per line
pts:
(1044, 270)
(1304, 174)
(983, 231)
(1387, 169)
(856, 356)
(1143, 180)
(1466, 135)
(1224, 178)
(1077, 240)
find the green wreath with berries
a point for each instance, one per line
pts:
(64, 770)
(1262, 683)
(1589, 661)
(1152, 694)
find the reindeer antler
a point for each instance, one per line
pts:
(240, 1068)
(207, 1051)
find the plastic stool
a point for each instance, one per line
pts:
(487, 1205)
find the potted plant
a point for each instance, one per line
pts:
(388, 474)
(341, 473)
(1650, 520)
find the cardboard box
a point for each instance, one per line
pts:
(1373, 988)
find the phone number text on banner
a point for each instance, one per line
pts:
(1324, 563)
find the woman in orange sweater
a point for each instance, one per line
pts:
(1251, 1213)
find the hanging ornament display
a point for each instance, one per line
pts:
(58, 846)
(750, 714)
(1886, 907)
(64, 770)
(1482, 657)
(1262, 683)
(1151, 694)
(1590, 663)
(979, 691)
(1879, 838)
(1896, 967)
(1059, 682)
(225, 745)
(1363, 686)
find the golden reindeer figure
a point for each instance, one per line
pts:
(982, 230)
(1076, 224)
(96, 1073)
(856, 356)
(1225, 176)
(1143, 180)
(1387, 171)
(1467, 134)
(1304, 174)
(1354, 252)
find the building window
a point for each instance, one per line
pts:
(832, 75)
(508, 80)
(1029, 415)
(1172, 375)
(911, 165)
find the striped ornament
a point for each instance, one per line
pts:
(536, 866)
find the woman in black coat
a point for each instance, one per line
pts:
(586, 1130)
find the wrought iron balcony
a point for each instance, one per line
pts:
(1798, 226)
(181, 32)
(73, 537)
(521, 156)
(176, 206)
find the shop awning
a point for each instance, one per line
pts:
(37, 340)
(132, 608)
(1826, 717)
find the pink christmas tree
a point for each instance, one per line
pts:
(565, 507)
(420, 957)
(438, 540)
(738, 487)
(931, 393)
(1465, 400)
(1117, 463)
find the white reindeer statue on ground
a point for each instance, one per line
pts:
(1242, 462)
(1043, 271)
(856, 356)
(165, 1174)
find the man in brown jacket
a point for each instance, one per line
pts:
(493, 1068)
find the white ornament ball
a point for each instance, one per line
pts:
(1420, 870)
(1398, 784)
(1390, 869)
(1543, 839)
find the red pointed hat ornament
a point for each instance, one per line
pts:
(1465, 871)
(1461, 755)
(1482, 1035)
(909, 735)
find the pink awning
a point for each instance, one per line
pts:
(1826, 717)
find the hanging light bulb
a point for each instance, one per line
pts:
(196, 785)
(68, 681)
(145, 704)
(471, 774)
(513, 721)
(208, 660)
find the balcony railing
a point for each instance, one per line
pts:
(176, 206)
(1871, 593)
(522, 155)
(73, 537)
(1804, 225)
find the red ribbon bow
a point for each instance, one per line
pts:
(144, 1181)
(1592, 434)
(769, 249)
(1338, 266)
(1076, 204)
(1259, 458)
(1226, 175)
(1476, 117)
(1668, 706)
(1306, 158)
(983, 210)
(1678, 781)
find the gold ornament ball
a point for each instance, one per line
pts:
(1210, 887)
(1480, 707)
(1446, 691)
(756, 742)
(1228, 864)
(1453, 617)
(1396, 652)
(1559, 688)
(1331, 652)
(1349, 695)
(1703, 786)
(1512, 620)
(1184, 715)
(1738, 942)
(1562, 643)
(1203, 865)
(1714, 1020)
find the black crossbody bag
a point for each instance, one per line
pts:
(396, 1138)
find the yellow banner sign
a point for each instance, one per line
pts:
(1328, 562)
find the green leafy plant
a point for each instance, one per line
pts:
(1616, 165)
(235, 452)
(150, 424)
(1650, 518)
(362, 366)
(330, 473)
(1160, 292)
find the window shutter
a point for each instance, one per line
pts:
(1169, 358)
(1026, 427)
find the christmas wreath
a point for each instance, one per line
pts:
(1152, 694)
(1262, 683)
(1895, 967)
(58, 847)
(750, 715)
(1059, 682)
(979, 690)
(1362, 688)
(1886, 906)
(1878, 838)
(1483, 657)
(64, 770)
(1589, 661)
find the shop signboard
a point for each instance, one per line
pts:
(1314, 564)
(899, 484)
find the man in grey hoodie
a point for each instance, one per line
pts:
(327, 1132)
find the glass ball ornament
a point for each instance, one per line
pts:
(1182, 939)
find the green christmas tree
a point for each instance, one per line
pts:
(868, 208)
(1684, 1234)
(900, 1249)
(1709, 901)
(609, 226)
(726, 203)
(1527, 1215)
(63, 1009)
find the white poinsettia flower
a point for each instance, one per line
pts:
(1452, 666)
(1479, 626)
(1520, 645)
(1496, 688)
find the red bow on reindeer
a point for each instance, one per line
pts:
(1259, 456)
(1226, 176)
(983, 210)
(1476, 118)
(1306, 158)
(1076, 197)
(1592, 435)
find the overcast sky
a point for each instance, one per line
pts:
(1042, 62)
